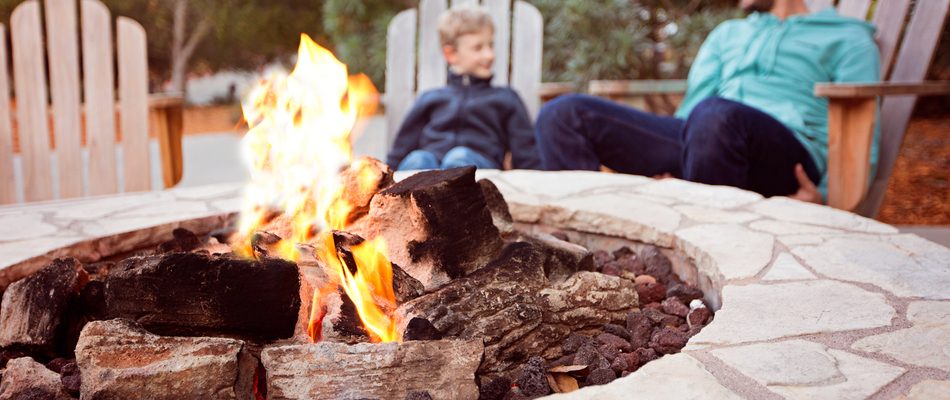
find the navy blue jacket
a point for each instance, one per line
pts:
(468, 112)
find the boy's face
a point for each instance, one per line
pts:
(473, 54)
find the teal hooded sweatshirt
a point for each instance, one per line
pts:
(773, 65)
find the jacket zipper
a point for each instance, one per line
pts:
(466, 83)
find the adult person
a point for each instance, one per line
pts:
(749, 118)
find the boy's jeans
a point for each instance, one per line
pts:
(723, 142)
(457, 157)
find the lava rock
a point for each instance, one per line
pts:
(418, 395)
(600, 376)
(656, 264)
(651, 292)
(566, 360)
(623, 252)
(619, 365)
(56, 364)
(71, 378)
(533, 382)
(624, 374)
(645, 279)
(646, 355)
(633, 361)
(699, 316)
(588, 355)
(641, 328)
(611, 268)
(601, 258)
(654, 315)
(618, 330)
(495, 390)
(575, 341)
(684, 291)
(421, 329)
(616, 341)
(631, 263)
(609, 351)
(693, 330)
(674, 306)
(23, 374)
(668, 341)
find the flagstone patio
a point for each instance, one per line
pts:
(812, 302)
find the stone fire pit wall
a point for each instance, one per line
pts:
(812, 302)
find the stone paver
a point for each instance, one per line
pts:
(881, 264)
(722, 197)
(677, 376)
(786, 267)
(734, 250)
(791, 277)
(926, 343)
(762, 312)
(928, 390)
(799, 369)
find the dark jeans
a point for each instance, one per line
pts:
(722, 142)
(459, 156)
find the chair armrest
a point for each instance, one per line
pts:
(548, 91)
(636, 87)
(850, 91)
(166, 112)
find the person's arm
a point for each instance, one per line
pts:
(409, 133)
(860, 64)
(521, 140)
(704, 74)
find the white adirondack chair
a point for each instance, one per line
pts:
(852, 108)
(518, 38)
(64, 107)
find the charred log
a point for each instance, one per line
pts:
(437, 225)
(194, 294)
(41, 313)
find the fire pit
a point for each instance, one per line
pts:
(799, 284)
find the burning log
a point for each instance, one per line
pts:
(40, 313)
(118, 359)
(562, 259)
(337, 319)
(445, 368)
(24, 377)
(437, 225)
(195, 294)
(517, 312)
(365, 177)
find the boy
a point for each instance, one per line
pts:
(467, 122)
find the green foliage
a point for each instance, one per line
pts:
(246, 33)
(357, 29)
(586, 40)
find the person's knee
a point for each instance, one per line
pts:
(714, 121)
(559, 107)
(418, 159)
(461, 156)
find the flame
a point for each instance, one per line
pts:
(297, 145)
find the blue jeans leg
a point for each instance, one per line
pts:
(461, 156)
(418, 159)
(729, 143)
(580, 132)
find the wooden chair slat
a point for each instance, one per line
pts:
(916, 53)
(98, 79)
(63, 49)
(526, 55)
(400, 70)
(500, 11)
(432, 66)
(7, 177)
(133, 95)
(30, 87)
(464, 3)
(889, 19)
(855, 8)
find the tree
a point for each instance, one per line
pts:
(209, 35)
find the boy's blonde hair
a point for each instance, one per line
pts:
(456, 22)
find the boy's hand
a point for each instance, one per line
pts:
(807, 191)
